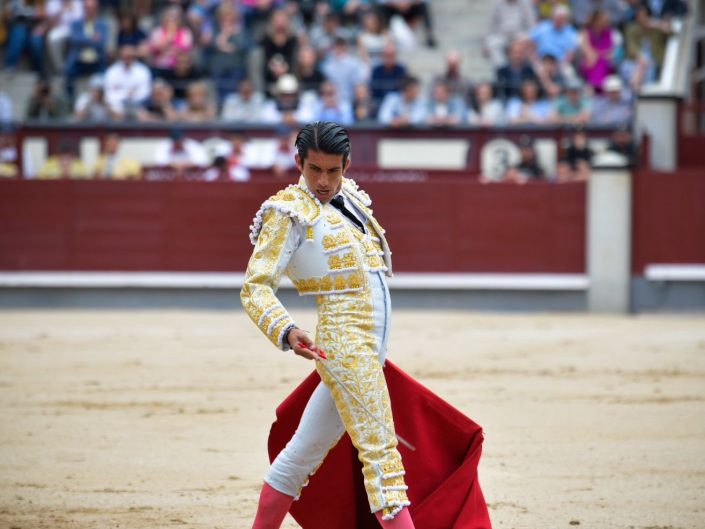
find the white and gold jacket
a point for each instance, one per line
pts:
(319, 251)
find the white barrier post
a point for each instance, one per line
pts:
(609, 239)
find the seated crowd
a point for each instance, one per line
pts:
(190, 61)
(556, 62)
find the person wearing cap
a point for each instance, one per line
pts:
(288, 106)
(573, 106)
(556, 36)
(322, 234)
(612, 108)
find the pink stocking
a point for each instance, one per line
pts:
(401, 521)
(272, 508)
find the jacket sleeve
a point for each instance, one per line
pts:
(275, 244)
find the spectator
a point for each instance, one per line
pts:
(508, 21)
(350, 11)
(169, 40)
(550, 76)
(199, 21)
(91, 105)
(159, 106)
(329, 108)
(344, 69)
(43, 104)
(453, 76)
(64, 164)
(544, 8)
(130, 33)
(182, 76)
(218, 171)
(199, 106)
(387, 76)
(372, 39)
(324, 32)
(411, 11)
(228, 53)
(239, 153)
(110, 165)
(596, 50)
(363, 108)
(575, 167)
(87, 46)
(307, 71)
(666, 9)
(5, 109)
(573, 107)
(279, 46)
(180, 153)
(61, 14)
(405, 108)
(584, 10)
(128, 82)
(622, 142)
(444, 109)
(28, 26)
(556, 37)
(244, 106)
(231, 165)
(486, 111)
(528, 108)
(518, 69)
(281, 160)
(645, 49)
(257, 14)
(288, 106)
(528, 167)
(612, 108)
(8, 149)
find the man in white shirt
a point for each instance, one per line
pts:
(128, 82)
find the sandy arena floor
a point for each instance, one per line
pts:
(145, 420)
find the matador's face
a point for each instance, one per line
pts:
(323, 173)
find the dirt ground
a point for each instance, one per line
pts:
(154, 419)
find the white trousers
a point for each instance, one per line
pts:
(320, 427)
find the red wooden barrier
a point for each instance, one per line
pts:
(668, 218)
(441, 225)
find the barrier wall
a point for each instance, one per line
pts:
(436, 225)
(668, 222)
(441, 225)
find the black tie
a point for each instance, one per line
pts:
(339, 203)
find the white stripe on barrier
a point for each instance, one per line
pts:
(215, 280)
(675, 272)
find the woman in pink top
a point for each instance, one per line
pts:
(597, 48)
(169, 39)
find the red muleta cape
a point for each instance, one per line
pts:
(441, 473)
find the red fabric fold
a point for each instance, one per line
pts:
(441, 473)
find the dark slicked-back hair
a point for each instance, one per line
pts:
(323, 136)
